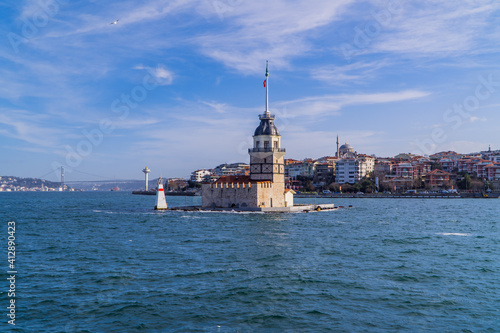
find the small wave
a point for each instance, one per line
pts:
(104, 211)
(453, 234)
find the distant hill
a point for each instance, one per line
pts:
(108, 185)
(14, 183)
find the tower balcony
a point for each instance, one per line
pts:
(266, 150)
(267, 116)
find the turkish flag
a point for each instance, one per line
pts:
(265, 83)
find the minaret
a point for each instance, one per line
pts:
(267, 156)
(338, 151)
(146, 172)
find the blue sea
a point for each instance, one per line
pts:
(107, 262)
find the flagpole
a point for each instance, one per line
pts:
(267, 88)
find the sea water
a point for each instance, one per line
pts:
(107, 262)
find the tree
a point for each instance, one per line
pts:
(347, 187)
(477, 185)
(488, 186)
(366, 185)
(418, 183)
(334, 187)
(465, 182)
(309, 187)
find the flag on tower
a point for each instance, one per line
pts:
(265, 83)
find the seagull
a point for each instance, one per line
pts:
(115, 22)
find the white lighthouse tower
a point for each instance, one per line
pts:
(146, 172)
(161, 202)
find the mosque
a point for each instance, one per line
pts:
(265, 186)
(345, 151)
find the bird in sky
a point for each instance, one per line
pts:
(115, 22)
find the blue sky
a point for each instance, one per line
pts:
(177, 85)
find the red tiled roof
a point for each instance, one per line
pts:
(437, 171)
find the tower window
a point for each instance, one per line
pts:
(275, 144)
(257, 144)
(266, 144)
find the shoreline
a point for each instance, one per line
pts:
(402, 196)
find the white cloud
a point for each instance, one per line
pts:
(332, 104)
(438, 28)
(356, 73)
(28, 127)
(162, 76)
(275, 33)
(473, 119)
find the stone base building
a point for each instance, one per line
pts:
(242, 192)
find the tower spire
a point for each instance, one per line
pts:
(267, 88)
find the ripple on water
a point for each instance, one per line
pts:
(104, 262)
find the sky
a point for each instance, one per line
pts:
(178, 85)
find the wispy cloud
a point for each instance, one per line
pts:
(356, 73)
(160, 74)
(332, 104)
(439, 28)
(275, 33)
(29, 128)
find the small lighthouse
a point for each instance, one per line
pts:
(161, 202)
(146, 172)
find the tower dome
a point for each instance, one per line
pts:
(266, 126)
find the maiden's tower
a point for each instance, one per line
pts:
(265, 186)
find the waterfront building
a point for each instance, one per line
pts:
(294, 170)
(478, 169)
(423, 166)
(305, 168)
(309, 167)
(265, 185)
(199, 175)
(448, 164)
(414, 169)
(231, 169)
(406, 171)
(452, 155)
(492, 172)
(176, 184)
(382, 168)
(495, 158)
(352, 170)
(466, 164)
(406, 157)
(325, 173)
(438, 179)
